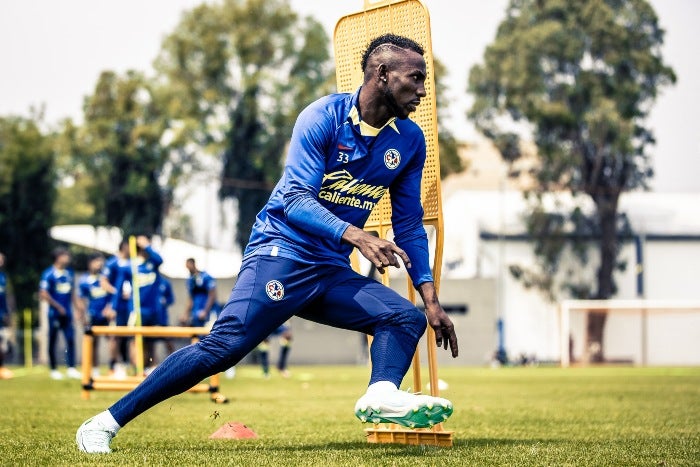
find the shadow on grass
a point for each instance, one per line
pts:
(401, 450)
(495, 442)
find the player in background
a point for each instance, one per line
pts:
(202, 305)
(167, 299)
(148, 262)
(346, 152)
(285, 339)
(95, 299)
(57, 288)
(201, 288)
(118, 308)
(5, 319)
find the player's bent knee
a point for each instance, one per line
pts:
(414, 320)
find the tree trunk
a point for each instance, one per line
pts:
(595, 323)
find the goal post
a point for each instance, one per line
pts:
(641, 307)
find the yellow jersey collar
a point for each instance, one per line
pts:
(365, 128)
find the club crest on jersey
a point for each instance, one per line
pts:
(392, 159)
(275, 290)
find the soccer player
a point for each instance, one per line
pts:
(119, 314)
(167, 298)
(57, 289)
(285, 337)
(95, 298)
(5, 318)
(148, 262)
(201, 288)
(346, 152)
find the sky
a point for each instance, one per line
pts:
(52, 52)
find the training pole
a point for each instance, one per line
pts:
(136, 300)
(28, 358)
(353, 32)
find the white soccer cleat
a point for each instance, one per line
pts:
(93, 437)
(403, 408)
(55, 374)
(72, 373)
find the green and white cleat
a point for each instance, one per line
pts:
(403, 408)
(93, 437)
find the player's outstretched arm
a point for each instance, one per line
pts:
(437, 318)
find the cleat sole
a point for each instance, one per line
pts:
(420, 417)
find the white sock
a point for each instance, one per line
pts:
(381, 387)
(108, 421)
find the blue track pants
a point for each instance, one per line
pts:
(61, 325)
(268, 292)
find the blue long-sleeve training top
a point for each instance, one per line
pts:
(338, 168)
(148, 281)
(59, 284)
(111, 272)
(89, 288)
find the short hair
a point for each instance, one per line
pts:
(59, 252)
(390, 40)
(94, 256)
(190, 260)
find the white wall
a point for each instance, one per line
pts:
(672, 271)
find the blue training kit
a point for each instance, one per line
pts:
(337, 170)
(167, 298)
(148, 284)
(111, 272)
(89, 288)
(59, 285)
(198, 286)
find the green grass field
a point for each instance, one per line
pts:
(509, 416)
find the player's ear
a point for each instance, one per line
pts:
(382, 72)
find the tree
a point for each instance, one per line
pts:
(26, 201)
(72, 205)
(234, 76)
(450, 161)
(119, 151)
(579, 78)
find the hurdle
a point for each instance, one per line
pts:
(105, 383)
(409, 18)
